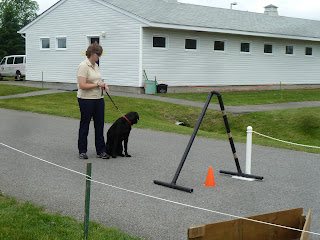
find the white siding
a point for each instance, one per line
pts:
(124, 58)
(205, 67)
(76, 20)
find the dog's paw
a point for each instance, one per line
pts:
(127, 155)
(114, 156)
(122, 155)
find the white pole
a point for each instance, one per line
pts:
(249, 150)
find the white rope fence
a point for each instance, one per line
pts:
(249, 146)
(158, 198)
(279, 140)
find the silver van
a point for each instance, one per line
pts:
(14, 65)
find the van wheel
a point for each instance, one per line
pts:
(1, 78)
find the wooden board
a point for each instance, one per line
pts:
(240, 229)
(304, 235)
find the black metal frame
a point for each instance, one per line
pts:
(238, 173)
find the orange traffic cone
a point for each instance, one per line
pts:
(210, 179)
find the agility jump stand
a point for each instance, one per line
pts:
(239, 173)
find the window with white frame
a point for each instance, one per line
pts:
(44, 43)
(219, 46)
(289, 50)
(61, 42)
(159, 42)
(191, 44)
(308, 51)
(268, 48)
(245, 47)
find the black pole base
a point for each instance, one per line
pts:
(174, 186)
(241, 175)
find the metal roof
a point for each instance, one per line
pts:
(271, 5)
(159, 13)
(196, 16)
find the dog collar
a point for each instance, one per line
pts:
(127, 119)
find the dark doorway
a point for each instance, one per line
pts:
(93, 40)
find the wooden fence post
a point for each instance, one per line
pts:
(87, 201)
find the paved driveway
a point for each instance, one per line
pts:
(291, 179)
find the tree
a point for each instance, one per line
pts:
(14, 15)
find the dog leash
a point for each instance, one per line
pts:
(118, 109)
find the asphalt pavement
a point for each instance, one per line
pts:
(39, 162)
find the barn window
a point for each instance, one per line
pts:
(309, 51)
(159, 42)
(45, 43)
(289, 50)
(268, 48)
(245, 47)
(190, 44)
(219, 45)
(61, 43)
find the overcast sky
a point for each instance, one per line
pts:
(308, 9)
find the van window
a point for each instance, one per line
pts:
(10, 60)
(18, 60)
(3, 61)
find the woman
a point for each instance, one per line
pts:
(91, 102)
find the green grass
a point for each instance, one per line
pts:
(27, 221)
(8, 78)
(253, 97)
(296, 125)
(6, 90)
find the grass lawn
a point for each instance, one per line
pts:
(27, 221)
(6, 90)
(253, 97)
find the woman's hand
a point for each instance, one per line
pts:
(106, 88)
(85, 86)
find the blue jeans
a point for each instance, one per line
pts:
(91, 108)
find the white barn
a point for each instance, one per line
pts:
(180, 44)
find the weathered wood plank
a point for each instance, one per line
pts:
(240, 229)
(304, 235)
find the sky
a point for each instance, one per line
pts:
(308, 9)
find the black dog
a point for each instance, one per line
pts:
(119, 132)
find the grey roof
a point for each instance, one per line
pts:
(271, 5)
(159, 13)
(196, 16)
